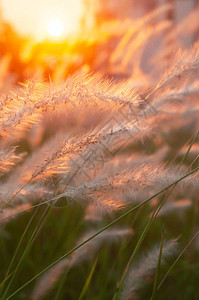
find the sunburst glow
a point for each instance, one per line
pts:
(55, 28)
(43, 19)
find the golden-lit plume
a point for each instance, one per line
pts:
(101, 118)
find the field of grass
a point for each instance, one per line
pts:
(99, 168)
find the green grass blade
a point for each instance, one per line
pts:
(143, 235)
(18, 246)
(177, 259)
(154, 294)
(193, 162)
(88, 281)
(30, 242)
(61, 284)
(187, 153)
(103, 229)
(148, 225)
(5, 279)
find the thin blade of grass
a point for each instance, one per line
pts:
(187, 153)
(148, 225)
(4, 281)
(177, 259)
(101, 230)
(135, 251)
(193, 162)
(30, 242)
(88, 281)
(154, 294)
(36, 231)
(61, 285)
(18, 246)
(55, 198)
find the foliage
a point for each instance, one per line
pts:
(114, 142)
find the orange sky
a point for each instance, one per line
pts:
(33, 16)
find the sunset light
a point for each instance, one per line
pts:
(43, 19)
(55, 28)
(99, 149)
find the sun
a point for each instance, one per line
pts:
(55, 28)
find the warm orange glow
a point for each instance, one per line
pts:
(55, 28)
(42, 19)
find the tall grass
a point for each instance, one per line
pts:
(98, 163)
